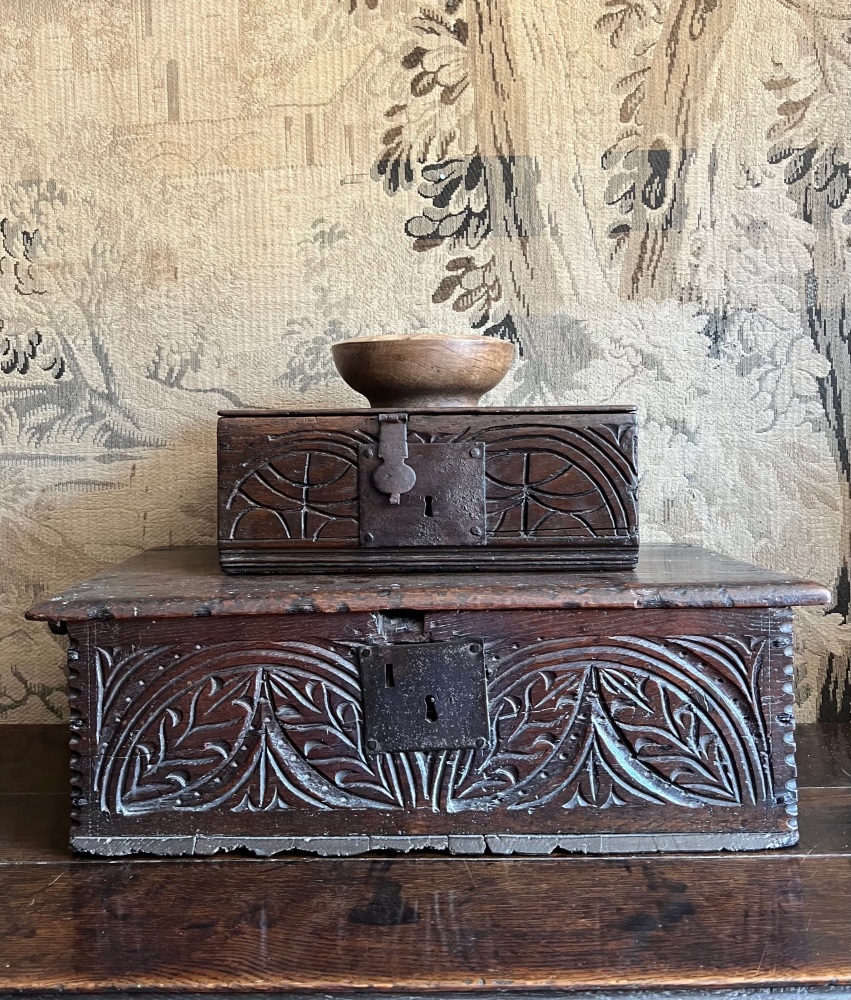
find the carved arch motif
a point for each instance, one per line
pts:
(306, 490)
(578, 722)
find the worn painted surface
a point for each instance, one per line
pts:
(199, 198)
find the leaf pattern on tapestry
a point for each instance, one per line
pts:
(811, 143)
(636, 27)
(811, 138)
(430, 121)
(431, 113)
(57, 378)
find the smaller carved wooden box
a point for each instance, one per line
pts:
(635, 710)
(427, 490)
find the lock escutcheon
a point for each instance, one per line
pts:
(413, 493)
(424, 696)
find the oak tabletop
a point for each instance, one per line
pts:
(421, 924)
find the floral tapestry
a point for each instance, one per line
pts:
(650, 198)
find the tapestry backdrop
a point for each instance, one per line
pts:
(650, 198)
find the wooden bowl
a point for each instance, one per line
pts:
(423, 369)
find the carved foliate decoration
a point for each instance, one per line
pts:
(575, 722)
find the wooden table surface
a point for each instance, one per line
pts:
(627, 926)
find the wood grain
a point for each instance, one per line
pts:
(34, 819)
(34, 827)
(33, 758)
(37, 829)
(427, 924)
(641, 711)
(170, 583)
(543, 490)
(422, 925)
(824, 753)
(661, 737)
(424, 369)
(824, 750)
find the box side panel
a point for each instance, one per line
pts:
(294, 483)
(666, 729)
(562, 487)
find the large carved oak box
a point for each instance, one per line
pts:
(427, 490)
(634, 710)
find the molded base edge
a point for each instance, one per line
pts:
(245, 559)
(495, 844)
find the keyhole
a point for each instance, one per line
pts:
(431, 709)
(429, 507)
(389, 680)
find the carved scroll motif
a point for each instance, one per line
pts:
(578, 722)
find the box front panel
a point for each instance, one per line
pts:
(647, 729)
(557, 487)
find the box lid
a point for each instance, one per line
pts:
(182, 582)
(361, 411)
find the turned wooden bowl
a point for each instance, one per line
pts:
(423, 369)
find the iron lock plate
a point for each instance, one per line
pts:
(446, 506)
(424, 696)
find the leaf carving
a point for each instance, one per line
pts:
(574, 722)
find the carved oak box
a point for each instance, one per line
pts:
(632, 710)
(428, 490)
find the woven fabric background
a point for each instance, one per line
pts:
(650, 197)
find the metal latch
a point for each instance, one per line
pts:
(393, 476)
(420, 494)
(424, 696)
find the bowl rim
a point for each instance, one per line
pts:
(441, 337)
